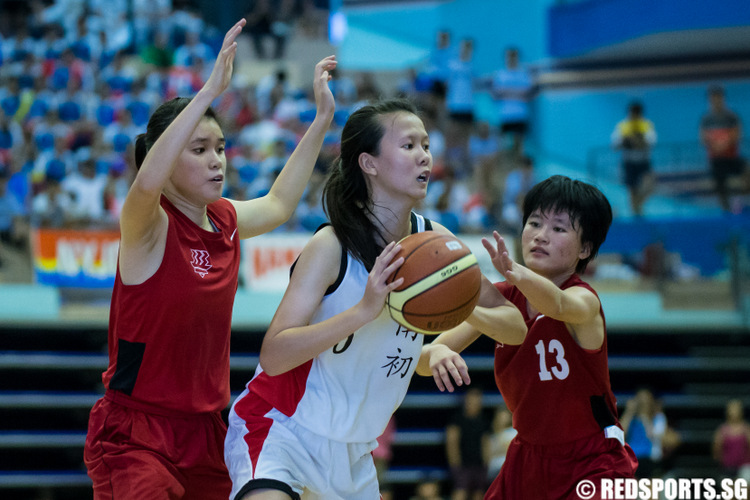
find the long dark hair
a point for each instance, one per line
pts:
(346, 197)
(585, 204)
(158, 123)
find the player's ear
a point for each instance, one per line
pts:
(367, 164)
(585, 251)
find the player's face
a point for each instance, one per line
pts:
(552, 245)
(200, 171)
(404, 163)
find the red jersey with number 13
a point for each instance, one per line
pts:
(549, 382)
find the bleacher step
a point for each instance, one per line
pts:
(43, 478)
(40, 439)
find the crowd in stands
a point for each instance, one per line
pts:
(78, 81)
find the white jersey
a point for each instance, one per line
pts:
(347, 393)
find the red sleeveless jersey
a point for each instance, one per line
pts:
(556, 390)
(169, 336)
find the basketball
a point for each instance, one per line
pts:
(441, 283)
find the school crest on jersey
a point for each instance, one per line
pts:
(201, 261)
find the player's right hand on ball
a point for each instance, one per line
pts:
(377, 288)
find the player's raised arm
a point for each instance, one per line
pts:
(264, 214)
(494, 315)
(165, 156)
(575, 305)
(140, 211)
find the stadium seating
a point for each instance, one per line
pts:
(50, 376)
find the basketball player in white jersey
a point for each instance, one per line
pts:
(333, 365)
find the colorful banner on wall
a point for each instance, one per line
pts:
(75, 258)
(266, 260)
(88, 258)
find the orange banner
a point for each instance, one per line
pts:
(75, 258)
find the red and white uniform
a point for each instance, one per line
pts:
(342, 399)
(563, 409)
(169, 357)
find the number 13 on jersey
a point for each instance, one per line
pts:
(560, 370)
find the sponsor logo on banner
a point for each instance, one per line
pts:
(76, 259)
(267, 259)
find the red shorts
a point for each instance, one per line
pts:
(136, 452)
(553, 472)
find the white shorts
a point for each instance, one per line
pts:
(313, 467)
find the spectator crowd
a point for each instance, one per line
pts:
(78, 81)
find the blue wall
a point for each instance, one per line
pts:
(575, 28)
(566, 123)
(492, 24)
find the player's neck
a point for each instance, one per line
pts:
(392, 223)
(196, 213)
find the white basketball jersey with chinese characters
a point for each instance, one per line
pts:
(347, 393)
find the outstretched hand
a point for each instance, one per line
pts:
(501, 257)
(323, 96)
(447, 367)
(377, 288)
(221, 75)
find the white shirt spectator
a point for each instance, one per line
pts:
(87, 188)
(50, 207)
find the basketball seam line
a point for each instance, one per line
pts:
(430, 240)
(396, 299)
(447, 312)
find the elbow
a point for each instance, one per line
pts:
(270, 371)
(521, 328)
(517, 336)
(281, 209)
(270, 364)
(145, 187)
(516, 332)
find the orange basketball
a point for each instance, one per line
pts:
(441, 283)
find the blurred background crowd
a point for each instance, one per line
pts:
(79, 79)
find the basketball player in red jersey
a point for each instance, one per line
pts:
(158, 433)
(556, 383)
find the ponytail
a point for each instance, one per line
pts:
(140, 150)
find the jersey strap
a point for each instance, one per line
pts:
(415, 223)
(342, 265)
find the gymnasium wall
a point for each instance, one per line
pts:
(492, 24)
(581, 26)
(569, 121)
